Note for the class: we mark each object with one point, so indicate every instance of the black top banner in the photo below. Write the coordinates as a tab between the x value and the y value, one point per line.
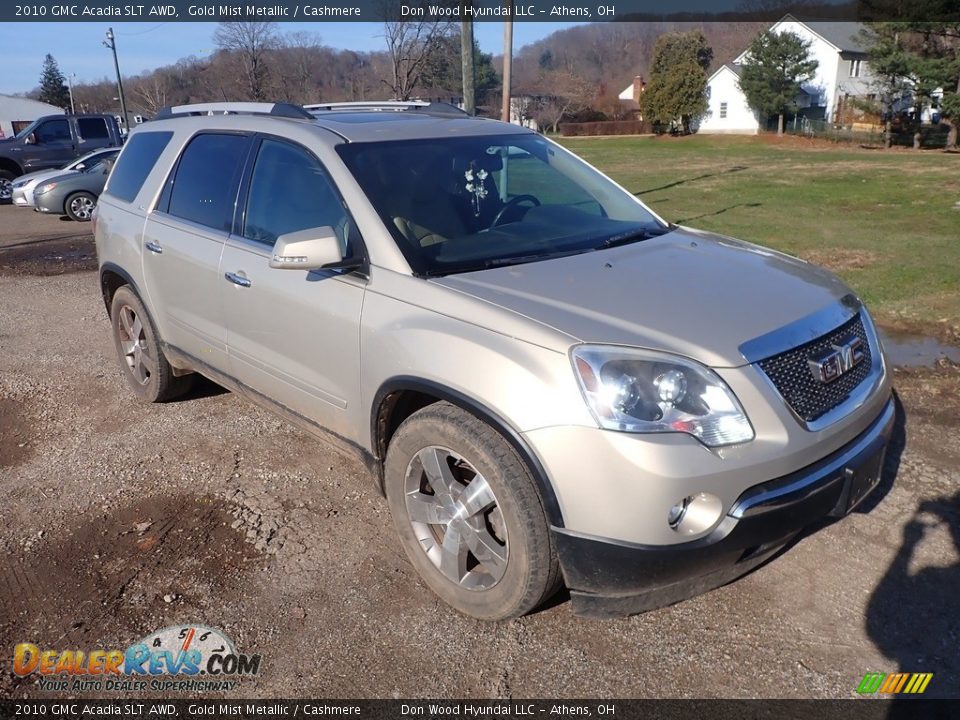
478	10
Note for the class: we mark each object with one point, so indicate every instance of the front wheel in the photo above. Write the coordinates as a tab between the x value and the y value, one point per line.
144	366
79	206
469	515
6	186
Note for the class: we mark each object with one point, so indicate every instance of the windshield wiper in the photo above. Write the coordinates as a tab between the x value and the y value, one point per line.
632	236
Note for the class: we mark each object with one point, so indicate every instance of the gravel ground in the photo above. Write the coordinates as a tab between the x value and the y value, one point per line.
120	519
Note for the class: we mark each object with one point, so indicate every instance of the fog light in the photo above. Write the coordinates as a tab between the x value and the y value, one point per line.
695	514
677	512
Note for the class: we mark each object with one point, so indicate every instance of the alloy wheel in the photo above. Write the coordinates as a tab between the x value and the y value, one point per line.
133	342
82	207
456	518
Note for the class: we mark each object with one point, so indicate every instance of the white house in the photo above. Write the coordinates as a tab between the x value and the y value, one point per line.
842	73
18	112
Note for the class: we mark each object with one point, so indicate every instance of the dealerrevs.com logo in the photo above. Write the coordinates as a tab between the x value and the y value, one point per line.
178	658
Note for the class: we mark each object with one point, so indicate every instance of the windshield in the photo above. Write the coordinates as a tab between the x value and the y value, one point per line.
470	203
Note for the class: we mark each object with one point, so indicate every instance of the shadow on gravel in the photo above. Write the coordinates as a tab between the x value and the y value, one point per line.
913	616
202	387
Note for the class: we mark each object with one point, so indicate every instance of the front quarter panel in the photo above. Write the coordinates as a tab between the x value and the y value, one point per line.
527	385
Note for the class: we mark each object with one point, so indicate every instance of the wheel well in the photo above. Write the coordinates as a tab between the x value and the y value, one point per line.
10	166
400	397
396	407
110	282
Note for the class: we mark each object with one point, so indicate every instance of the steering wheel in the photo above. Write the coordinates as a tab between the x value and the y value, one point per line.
512	203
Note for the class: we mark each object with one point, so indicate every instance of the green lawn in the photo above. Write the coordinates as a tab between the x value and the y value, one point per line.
887	222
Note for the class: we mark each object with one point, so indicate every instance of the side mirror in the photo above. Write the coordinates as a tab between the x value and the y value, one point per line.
31	139
308	249
80	166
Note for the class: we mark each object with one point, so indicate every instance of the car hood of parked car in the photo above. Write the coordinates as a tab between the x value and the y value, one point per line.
41	176
688	292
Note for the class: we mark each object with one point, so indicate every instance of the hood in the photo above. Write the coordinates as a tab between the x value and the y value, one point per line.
42	175
687	292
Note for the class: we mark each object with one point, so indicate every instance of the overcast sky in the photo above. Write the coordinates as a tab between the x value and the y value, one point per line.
145	46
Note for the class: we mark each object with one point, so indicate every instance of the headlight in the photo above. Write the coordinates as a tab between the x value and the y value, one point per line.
642	391
44	188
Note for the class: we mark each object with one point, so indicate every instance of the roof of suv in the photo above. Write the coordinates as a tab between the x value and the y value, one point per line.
372	125
363	122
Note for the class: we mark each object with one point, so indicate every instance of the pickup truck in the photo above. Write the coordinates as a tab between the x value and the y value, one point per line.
52	141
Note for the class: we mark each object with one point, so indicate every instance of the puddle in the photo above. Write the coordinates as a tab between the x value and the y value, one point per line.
906	350
50	257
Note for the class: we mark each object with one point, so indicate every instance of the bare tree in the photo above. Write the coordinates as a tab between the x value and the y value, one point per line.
410	46
249	43
150	91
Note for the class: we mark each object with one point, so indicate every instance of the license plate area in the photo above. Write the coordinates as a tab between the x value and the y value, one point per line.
862	479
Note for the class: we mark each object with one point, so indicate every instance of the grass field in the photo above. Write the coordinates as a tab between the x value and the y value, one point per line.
887	222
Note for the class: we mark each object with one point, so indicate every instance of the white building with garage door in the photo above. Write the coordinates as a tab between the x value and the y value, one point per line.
18	112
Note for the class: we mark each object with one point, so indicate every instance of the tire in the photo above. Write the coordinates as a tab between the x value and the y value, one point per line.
6	187
144	366
79	206
503	521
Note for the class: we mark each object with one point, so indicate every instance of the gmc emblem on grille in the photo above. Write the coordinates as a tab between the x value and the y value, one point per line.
841	358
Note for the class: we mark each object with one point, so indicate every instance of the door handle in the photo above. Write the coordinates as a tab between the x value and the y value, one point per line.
238	279
153	247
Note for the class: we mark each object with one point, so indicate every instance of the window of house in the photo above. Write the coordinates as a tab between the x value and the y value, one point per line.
855	68
723	110
204	188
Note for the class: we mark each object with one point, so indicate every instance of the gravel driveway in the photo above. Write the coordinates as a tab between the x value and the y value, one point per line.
120	519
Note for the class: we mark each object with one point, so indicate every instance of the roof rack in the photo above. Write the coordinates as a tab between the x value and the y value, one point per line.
421	106
287	110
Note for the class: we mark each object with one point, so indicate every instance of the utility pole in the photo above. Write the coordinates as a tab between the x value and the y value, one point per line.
467	64
70	78
111	43
507	61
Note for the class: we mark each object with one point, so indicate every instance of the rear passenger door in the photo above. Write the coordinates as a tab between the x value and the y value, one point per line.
293	335
184	239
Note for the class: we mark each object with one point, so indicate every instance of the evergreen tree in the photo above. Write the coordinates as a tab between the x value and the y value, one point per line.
776	66
678	80
53	86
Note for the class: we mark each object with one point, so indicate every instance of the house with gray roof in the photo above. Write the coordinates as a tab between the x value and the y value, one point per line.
842	73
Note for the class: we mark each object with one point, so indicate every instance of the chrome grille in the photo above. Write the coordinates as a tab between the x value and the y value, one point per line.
806	395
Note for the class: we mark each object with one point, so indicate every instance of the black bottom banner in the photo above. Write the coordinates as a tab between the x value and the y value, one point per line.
864	709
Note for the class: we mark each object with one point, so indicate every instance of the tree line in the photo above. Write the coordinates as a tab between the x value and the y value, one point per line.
576	73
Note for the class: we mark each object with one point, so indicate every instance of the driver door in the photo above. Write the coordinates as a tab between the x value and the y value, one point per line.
53	147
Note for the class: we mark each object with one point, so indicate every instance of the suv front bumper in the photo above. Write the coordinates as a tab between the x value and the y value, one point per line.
611	579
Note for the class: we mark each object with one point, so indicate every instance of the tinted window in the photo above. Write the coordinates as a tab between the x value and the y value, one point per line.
53	131
92	128
204	187
290	191
135	163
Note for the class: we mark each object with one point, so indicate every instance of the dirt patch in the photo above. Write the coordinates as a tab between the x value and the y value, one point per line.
57	256
16	434
116	576
840	259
